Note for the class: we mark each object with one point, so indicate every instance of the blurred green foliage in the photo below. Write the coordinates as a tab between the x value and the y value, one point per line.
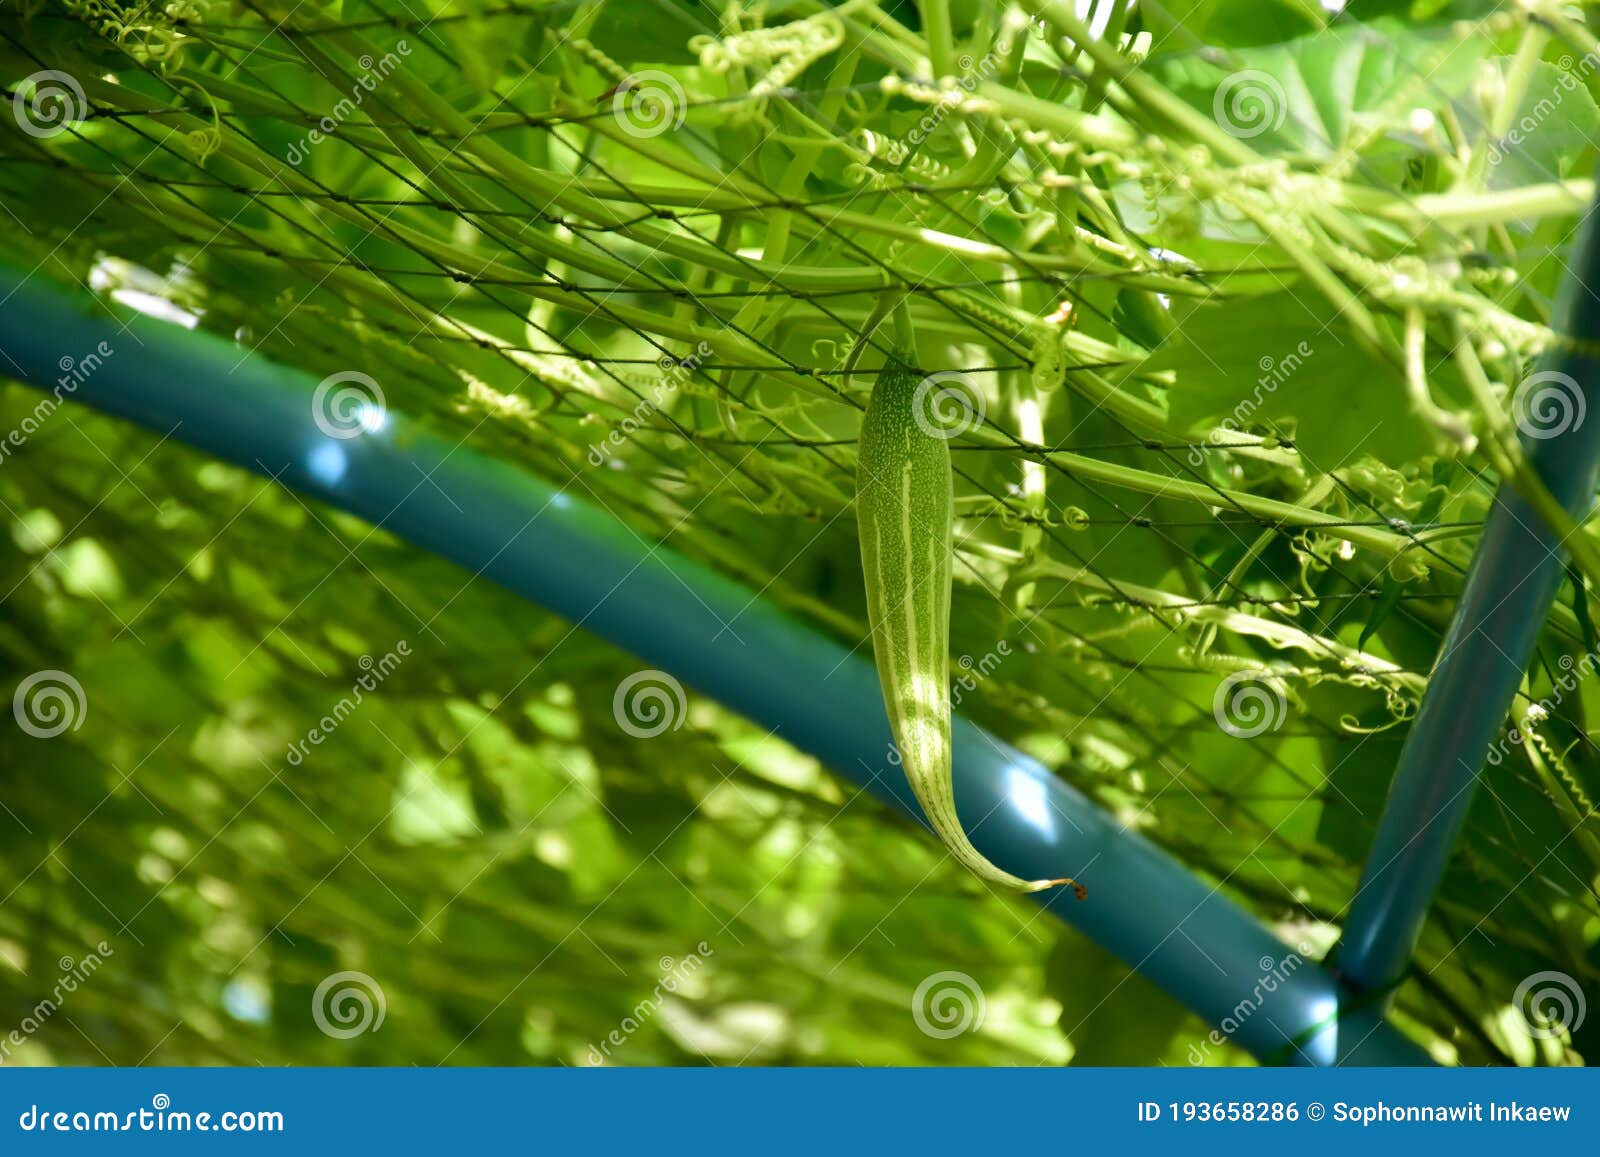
477	837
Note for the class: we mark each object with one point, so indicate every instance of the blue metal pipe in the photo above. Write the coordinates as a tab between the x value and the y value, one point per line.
1512	581
578	561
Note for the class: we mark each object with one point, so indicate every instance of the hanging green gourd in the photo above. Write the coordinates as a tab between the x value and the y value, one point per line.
905	509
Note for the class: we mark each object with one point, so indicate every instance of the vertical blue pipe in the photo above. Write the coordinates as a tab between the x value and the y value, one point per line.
1512	581
547	546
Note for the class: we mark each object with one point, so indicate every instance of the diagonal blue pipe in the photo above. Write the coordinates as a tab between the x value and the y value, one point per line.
580	562
1513	579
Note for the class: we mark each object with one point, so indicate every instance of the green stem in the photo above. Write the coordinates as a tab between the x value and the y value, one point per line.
941	40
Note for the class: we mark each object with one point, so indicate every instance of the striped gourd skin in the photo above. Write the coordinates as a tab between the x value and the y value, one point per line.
905	509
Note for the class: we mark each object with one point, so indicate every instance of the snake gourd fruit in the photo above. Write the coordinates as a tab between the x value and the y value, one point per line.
905	509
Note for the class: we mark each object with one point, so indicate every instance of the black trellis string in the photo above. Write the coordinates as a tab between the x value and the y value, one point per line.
1106	576
1108	580
394	297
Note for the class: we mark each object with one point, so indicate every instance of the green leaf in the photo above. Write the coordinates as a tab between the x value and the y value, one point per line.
1282	364
1340	89
1551	134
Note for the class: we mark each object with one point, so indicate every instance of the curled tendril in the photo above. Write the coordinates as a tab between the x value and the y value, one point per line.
1012	519
825	349
880	146
1349	723
1402	705
860	174
1316	553
784	52
1558	764
928	169
204	142
806	39
147	33
1408	566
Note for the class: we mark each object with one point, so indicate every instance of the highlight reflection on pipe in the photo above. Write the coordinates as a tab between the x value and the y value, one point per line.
518	530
